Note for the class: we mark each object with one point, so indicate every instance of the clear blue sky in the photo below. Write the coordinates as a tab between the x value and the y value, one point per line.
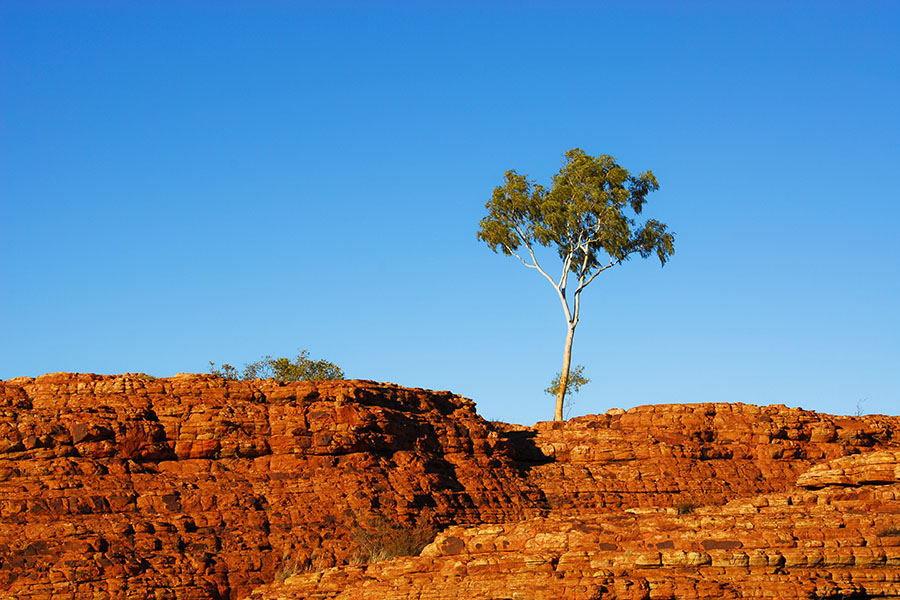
184	182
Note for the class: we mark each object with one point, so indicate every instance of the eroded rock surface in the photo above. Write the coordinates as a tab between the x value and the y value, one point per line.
677	454
826	543
197	487
201	488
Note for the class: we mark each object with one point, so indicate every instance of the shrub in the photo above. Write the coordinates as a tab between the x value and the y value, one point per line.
301	368
291	567
381	539
573	385
685	508
141	376
288	570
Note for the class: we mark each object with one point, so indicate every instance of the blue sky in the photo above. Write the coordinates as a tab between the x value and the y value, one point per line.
194	181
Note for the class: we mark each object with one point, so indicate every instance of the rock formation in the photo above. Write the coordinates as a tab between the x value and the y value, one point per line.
197	487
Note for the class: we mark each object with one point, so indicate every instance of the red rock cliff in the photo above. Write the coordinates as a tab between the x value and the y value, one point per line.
197	487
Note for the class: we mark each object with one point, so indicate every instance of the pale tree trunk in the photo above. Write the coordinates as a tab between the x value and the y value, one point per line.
564	374
584	278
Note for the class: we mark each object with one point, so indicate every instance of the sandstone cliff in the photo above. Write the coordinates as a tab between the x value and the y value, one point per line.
197	487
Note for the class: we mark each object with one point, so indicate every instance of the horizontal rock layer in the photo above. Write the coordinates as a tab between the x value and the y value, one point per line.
670	455
824	543
197	487
202	488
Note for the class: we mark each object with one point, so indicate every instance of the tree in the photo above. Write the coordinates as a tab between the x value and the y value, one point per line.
585	215
302	368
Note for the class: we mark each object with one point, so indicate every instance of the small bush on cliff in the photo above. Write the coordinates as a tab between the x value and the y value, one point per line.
292	566
301	368
685	508
382	539
141	376
289	570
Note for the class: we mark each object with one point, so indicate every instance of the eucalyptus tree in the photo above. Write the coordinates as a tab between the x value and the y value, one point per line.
588	214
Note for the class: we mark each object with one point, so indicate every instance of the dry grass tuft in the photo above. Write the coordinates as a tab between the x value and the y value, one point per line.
685	508
381	539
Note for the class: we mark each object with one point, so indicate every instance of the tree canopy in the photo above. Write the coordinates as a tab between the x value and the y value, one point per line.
584	214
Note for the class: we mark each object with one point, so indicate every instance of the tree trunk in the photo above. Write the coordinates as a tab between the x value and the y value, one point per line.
564	374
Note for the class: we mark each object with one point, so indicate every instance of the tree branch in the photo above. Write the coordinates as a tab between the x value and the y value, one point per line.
560	289
577	299
611	264
536	264
564	277
585	248
520	258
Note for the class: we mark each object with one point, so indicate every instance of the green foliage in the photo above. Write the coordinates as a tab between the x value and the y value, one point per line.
573	384
586	212
301	368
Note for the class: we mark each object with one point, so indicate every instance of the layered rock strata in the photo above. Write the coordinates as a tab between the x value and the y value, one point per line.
197	487
669	455
821	540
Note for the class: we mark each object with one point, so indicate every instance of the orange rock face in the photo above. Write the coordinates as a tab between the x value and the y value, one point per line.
664	456
201	488
196	487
